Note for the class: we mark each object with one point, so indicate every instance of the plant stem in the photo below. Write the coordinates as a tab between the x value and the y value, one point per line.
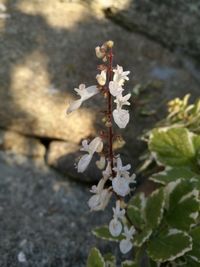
110	128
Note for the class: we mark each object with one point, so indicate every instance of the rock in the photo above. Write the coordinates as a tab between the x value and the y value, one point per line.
46	51
20	144
175	24
63	156
45	219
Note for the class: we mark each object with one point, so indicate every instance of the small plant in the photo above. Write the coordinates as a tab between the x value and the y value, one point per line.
183	114
164	227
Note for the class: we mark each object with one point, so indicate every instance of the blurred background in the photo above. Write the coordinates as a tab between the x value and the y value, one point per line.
47	49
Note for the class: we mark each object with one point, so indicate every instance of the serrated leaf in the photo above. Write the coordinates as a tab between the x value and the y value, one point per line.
194	254
104	233
110	260
154	208
183	204
135	210
142	237
173	173
95	259
173	146
129	264
168	245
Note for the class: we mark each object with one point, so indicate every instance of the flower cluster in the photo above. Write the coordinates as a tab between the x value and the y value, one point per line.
116	178
115	228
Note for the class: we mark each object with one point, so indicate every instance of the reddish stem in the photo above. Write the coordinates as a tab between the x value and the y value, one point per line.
110	129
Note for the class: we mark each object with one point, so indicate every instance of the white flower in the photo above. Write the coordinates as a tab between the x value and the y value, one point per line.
96	145
84	162
84	93
101	78
100	200
107	172
21	257
97	189
122	100
122	179
121	186
121	117
115	89
120	169
115	227
100	52
128	233
126	244
120	76
117	212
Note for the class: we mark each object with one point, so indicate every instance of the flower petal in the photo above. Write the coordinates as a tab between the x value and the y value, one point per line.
99	201
94	201
121	186
121	117
128	233
120	76
84	162
74	105
90	92
107	172
96	145
101	78
115	227
125	246
115	89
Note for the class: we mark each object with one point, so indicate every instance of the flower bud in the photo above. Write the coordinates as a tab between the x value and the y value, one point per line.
109	44
108	124
101	78
100	52
104	58
101	163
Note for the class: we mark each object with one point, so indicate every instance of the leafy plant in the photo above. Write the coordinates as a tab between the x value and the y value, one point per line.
164	226
183	114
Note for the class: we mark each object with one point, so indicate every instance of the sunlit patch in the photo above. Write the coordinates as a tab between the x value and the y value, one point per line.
64	15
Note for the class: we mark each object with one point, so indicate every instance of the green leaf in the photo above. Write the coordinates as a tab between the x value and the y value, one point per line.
190	263
110	260
183	204
152	263
194	254
142	237
138	201
172	146
135	210
173	173
154	208
95	259
168	245
104	233
129	264
186	262
196	142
